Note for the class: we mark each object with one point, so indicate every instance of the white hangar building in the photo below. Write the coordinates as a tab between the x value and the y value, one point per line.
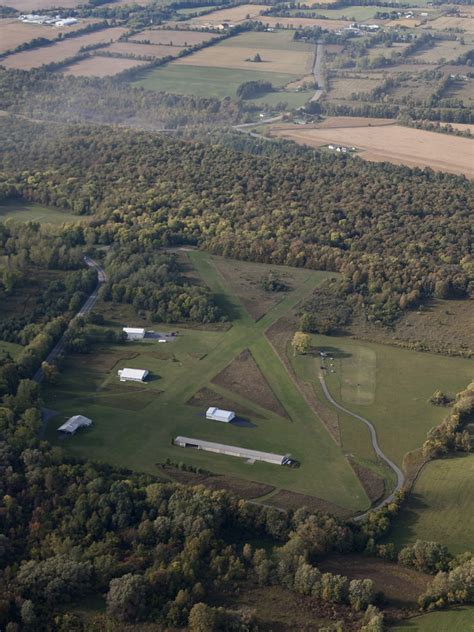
217	414
75	422
232	450
132	375
134	333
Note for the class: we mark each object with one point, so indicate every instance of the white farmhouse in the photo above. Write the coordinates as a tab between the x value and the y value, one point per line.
132	375
75	422
217	414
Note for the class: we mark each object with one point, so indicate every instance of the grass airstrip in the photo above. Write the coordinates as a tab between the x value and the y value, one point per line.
134	424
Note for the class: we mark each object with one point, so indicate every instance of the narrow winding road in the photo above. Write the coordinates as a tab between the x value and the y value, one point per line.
375	444
88	305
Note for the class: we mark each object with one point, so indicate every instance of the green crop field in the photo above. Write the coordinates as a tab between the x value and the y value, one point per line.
389	386
203	81
441	506
457	620
23	211
134	424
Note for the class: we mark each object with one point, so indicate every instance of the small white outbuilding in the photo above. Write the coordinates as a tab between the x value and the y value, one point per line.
75	422
132	375
217	414
134	333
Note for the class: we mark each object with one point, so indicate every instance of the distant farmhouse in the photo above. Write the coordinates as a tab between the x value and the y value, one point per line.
231	450
132	375
134	333
75	422
217	414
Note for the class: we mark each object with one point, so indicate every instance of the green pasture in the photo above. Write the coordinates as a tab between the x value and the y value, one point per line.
23	211
204	81
193	10
453	620
441	506
9	347
389	386
134	424
293	99
351	13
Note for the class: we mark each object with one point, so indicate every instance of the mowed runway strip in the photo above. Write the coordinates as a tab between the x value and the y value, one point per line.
391	143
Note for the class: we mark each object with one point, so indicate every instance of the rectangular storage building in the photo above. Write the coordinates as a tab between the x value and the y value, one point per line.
134	333
217	414
75	422
132	375
232	450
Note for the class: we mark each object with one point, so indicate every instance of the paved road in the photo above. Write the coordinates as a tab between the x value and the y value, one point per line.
88	305
373	436
317	71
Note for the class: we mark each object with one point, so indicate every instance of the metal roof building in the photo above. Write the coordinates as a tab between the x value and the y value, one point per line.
75	422
134	333
231	450
132	375
217	414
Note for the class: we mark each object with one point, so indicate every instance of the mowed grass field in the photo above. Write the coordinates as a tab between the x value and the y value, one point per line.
134	424
389	386
23	211
441	506
453	620
394	143
25	60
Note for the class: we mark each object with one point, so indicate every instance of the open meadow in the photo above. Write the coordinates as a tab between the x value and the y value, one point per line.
294	22
23	211
134	424
452	620
168	37
440	507
28	59
36	6
232	15
392	143
98	66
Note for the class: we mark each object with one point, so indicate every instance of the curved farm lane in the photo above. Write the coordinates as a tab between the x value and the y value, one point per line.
88	305
373	437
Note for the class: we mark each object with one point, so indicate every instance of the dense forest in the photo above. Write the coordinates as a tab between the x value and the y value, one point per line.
398	235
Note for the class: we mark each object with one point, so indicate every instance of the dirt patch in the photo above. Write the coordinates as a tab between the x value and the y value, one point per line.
239	487
278	336
373	484
242	376
60	50
401	586
172	38
286	499
206	397
392	143
97	66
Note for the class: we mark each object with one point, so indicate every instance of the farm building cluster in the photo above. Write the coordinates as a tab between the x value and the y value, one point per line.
48	20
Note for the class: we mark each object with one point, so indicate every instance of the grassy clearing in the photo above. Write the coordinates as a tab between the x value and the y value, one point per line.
140	438
441	507
442	621
23	211
403	382
203	81
9	347
351	13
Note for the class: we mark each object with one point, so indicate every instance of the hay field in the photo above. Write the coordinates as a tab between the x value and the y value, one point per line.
148	50
13	32
329	25
392	143
234	15
172	38
446	22
61	50
35	6
101	66
288	62
447	49
344	87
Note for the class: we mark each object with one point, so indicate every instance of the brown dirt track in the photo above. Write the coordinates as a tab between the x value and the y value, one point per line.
390	143
97	66
61	50
13	32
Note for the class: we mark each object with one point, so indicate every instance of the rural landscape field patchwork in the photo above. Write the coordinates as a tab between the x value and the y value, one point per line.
236	323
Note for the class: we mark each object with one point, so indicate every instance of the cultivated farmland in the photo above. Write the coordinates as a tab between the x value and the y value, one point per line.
447	22
13	32
97	66
394	143
441	506
233	15
294	22
172	38
34	6
58	51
